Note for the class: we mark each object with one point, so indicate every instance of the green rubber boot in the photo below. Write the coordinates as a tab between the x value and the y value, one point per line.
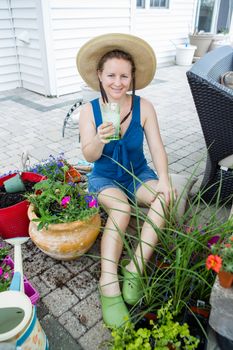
132	286
114	310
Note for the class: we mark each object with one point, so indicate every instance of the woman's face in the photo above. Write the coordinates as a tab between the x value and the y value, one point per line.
116	77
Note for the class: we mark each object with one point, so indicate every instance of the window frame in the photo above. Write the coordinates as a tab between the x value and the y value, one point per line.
147	6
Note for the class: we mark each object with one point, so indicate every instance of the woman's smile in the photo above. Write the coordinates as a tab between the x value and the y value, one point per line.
116	78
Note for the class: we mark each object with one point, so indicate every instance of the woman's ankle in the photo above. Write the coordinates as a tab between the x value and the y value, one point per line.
131	267
109	286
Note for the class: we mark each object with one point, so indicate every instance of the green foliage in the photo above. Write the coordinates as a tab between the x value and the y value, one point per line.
164	333
52	168
5	270
57	201
177	269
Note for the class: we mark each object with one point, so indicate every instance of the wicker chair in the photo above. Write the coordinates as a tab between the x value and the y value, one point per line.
214	105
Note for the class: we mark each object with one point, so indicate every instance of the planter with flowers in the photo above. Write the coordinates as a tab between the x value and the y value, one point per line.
64	218
221	261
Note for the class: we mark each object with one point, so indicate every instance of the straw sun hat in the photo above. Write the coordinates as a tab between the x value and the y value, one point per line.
91	52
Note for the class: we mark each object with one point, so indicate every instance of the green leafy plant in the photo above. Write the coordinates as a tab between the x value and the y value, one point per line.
5	270
60	198
177	269
163	334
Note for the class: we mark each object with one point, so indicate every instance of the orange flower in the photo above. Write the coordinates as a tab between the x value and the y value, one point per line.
231	238
228	245
214	262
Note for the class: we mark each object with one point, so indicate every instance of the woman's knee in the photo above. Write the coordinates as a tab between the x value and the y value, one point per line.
159	201
121	210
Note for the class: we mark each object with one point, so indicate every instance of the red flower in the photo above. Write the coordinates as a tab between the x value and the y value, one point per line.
214	262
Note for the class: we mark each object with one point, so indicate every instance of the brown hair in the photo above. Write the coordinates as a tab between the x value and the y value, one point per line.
120	55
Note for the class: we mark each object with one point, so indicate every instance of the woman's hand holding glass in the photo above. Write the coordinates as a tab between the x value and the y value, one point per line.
105	131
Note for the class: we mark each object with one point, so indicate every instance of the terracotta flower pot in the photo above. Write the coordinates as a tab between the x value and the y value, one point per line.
225	279
66	241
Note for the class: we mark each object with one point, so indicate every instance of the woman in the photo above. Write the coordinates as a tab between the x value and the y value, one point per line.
116	64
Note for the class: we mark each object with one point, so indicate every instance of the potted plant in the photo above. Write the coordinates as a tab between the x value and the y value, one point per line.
221	261
14	221
202	41
163	333
177	269
64	218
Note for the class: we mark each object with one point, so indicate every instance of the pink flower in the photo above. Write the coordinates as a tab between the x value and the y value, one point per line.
1	271
93	203
214	262
6	275
65	201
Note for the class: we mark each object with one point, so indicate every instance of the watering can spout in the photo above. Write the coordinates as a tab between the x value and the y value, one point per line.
16	282
7	346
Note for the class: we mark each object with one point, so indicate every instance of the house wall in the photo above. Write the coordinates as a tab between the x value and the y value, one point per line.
22	62
72	24
9	76
58	28
165	28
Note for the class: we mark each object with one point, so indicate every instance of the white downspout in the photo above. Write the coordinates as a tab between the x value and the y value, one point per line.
46	47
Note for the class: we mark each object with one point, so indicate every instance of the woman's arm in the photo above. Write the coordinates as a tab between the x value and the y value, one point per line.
93	141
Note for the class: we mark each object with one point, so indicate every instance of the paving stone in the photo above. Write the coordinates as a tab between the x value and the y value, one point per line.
95	270
41	309
37	264
95	338
82	285
58	337
78	265
60	300
72	324
42	288
88	311
56	276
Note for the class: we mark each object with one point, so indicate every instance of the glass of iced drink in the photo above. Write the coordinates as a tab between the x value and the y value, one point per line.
111	113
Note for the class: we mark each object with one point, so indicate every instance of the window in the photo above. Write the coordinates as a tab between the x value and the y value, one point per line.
159	3
141	4
148	4
214	16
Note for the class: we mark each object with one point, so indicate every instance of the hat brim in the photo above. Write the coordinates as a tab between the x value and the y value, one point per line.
91	52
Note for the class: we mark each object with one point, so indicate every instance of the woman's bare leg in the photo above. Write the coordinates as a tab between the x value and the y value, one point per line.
118	209
149	236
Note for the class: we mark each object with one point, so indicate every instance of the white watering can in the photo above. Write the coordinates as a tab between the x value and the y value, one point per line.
19	326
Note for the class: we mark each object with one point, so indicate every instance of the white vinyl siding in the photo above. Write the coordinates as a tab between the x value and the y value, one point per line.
165	28
9	71
72	24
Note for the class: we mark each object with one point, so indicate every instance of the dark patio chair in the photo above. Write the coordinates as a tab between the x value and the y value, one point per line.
214	105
